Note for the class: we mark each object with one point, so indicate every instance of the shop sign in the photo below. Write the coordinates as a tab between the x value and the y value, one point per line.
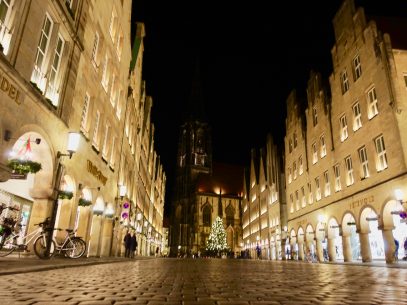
7	87
96	172
361	202
18	176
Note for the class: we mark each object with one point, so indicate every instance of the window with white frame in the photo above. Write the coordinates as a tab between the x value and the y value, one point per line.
364	166
300	166
323	146
85	112
6	7
337	171
96	130
372	103
303	197
54	74
357	68
349	171
297	201
310	195
357	120
113	90
317	189
327	190
119	104
38	75
381	154
314	153
291	203
105	148
113	24
95	48
344	81
105	74
289	175
295	170
295	140
119	45
344	128
314	116
112	153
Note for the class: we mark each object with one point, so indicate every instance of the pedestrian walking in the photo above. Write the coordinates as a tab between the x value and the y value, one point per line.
258	251
127	244
405	249
157	250
133	244
396	252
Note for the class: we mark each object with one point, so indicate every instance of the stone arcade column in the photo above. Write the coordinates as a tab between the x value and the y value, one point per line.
347	248
320	250
365	247
389	245
283	240
301	251
331	250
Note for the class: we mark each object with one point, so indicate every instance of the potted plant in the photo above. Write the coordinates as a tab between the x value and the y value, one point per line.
65	194
23	167
84	203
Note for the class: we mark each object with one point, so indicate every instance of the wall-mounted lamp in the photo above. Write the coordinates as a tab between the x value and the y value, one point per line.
109	212
122	191
399	196
73	144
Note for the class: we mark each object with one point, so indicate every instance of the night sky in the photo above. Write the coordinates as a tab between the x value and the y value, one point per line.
252	54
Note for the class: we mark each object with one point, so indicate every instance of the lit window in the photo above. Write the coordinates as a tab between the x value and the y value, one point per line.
310	196
349	170
54	74
301	166
96	130
291	203
113	24
357	121
289	175
344	81
314	116
85	111
105	147
295	170
39	73
95	49
327	190
317	189
357	68
381	154
363	163
372	103
344	128
112	154
337	171
303	198
6	7
314	153
119	46
323	146
113	90
105	74
297	201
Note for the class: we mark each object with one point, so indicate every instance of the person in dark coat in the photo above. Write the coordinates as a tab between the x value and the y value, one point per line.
133	244
127	244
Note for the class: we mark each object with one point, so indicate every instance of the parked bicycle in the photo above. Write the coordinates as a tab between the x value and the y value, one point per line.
10	242
71	246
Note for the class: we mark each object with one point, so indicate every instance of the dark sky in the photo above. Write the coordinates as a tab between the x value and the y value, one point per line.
252	54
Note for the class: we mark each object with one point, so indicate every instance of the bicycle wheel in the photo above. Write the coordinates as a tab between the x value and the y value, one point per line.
40	247
75	248
6	245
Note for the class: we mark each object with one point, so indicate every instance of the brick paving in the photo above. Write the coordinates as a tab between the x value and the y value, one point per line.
206	282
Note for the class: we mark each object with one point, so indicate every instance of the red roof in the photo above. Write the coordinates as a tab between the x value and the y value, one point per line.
225	177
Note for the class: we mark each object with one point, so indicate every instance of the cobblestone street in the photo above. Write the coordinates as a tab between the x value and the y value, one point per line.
209	282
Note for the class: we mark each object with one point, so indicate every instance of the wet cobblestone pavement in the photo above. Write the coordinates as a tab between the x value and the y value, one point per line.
207	282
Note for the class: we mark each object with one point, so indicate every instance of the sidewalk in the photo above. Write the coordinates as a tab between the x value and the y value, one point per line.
13	264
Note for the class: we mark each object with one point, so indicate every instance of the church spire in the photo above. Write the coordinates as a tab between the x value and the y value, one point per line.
195	109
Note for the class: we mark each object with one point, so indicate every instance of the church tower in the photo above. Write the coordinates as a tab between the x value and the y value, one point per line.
194	158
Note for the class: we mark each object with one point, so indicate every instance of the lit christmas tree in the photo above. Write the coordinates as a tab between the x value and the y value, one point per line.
217	238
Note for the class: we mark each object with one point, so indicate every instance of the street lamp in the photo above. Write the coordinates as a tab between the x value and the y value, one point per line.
72	147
